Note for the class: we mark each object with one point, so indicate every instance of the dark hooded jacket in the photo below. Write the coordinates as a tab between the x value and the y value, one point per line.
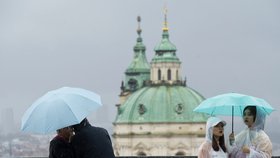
91	142
60	148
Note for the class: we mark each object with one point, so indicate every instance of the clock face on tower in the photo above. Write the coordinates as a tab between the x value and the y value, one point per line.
132	83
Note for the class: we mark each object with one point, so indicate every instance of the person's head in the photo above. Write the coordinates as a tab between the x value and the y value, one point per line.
215	132
80	125
214	127
65	132
218	129
249	115
254	117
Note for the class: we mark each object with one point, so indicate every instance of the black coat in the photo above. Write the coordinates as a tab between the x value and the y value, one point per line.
92	142
60	148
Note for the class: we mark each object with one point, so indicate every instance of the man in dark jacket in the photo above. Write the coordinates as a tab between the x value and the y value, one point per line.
60	146
91	142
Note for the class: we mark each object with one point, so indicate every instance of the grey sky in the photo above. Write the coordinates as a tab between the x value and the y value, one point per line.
224	46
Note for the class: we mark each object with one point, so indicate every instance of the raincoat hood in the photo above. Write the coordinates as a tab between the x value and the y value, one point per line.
260	119
211	122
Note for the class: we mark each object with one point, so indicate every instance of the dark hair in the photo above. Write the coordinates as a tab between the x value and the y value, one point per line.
252	109
215	144
79	126
58	130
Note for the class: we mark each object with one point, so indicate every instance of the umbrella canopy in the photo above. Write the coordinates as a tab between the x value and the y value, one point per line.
231	104
59	108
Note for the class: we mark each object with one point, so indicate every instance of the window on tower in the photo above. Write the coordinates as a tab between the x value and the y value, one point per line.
169	74
132	83
159	74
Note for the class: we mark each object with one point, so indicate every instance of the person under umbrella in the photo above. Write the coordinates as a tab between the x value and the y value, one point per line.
60	146
90	141
214	144
57	110
231	104
252	141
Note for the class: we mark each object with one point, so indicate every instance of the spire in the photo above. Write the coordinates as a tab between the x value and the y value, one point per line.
165	27
139	45
165	45
139	69
139	27
139	62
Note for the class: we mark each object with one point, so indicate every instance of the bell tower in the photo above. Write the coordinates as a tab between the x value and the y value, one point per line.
165	65
138	72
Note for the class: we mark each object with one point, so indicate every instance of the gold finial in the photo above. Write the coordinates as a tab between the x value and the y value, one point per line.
165	27
139	28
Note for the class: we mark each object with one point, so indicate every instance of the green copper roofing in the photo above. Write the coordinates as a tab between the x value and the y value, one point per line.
165	45
161	104
139	62
165	50
139	69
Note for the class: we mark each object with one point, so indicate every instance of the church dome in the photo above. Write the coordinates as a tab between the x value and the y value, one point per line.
161	104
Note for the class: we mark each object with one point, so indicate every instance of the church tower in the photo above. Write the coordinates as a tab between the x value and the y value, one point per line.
138	72
165	65
155	114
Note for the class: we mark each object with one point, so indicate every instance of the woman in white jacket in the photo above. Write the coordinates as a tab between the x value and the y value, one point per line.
214	144
252	142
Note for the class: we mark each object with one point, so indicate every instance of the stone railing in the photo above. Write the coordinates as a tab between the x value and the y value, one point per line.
144	157
132	157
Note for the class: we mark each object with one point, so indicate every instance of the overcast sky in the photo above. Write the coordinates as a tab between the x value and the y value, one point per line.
224	46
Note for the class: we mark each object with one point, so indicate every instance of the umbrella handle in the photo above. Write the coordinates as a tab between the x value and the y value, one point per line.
232	113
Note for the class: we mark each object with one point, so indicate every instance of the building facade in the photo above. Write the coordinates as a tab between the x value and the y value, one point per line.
155	113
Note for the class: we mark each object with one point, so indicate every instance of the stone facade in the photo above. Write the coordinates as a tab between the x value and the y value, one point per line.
160	139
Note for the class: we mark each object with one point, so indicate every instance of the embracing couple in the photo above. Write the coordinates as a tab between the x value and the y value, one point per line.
81	141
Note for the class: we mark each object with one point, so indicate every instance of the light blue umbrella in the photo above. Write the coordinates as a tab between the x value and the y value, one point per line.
59	108
231	104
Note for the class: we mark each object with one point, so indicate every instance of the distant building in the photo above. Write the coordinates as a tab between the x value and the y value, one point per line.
7	121
155	114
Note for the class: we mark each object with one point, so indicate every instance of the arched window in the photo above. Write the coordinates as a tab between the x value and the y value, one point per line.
141	153
159	74
180	153
177	75
168	74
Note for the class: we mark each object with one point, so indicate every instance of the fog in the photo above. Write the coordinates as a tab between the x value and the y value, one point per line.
224	46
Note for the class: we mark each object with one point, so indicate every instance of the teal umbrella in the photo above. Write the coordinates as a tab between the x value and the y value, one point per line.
231	104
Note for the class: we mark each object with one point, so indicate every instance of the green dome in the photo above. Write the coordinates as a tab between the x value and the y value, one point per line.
161	104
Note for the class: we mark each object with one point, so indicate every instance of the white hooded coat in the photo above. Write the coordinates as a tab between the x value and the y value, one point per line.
255	138
205	150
